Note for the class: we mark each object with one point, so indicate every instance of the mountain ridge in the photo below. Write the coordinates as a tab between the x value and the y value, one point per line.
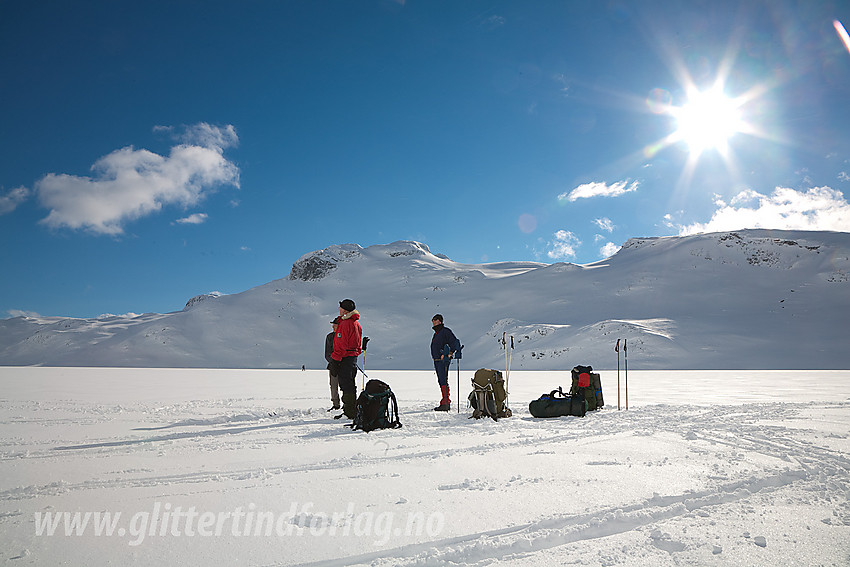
747	299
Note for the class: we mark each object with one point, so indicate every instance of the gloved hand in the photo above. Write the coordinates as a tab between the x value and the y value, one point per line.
333	366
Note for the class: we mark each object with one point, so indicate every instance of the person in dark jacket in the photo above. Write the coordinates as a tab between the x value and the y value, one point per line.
444	345
334	379
346	349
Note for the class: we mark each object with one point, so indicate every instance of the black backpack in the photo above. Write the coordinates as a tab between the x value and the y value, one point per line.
558	404
376	408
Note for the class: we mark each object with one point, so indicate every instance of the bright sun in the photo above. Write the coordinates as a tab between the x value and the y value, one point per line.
707	121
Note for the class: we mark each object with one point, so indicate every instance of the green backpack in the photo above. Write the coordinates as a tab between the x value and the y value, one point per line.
488	396
588	384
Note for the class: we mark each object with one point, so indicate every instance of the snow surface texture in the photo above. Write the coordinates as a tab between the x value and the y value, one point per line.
752	299
705	468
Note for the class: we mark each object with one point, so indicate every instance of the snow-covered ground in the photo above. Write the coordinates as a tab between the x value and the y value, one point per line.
187	467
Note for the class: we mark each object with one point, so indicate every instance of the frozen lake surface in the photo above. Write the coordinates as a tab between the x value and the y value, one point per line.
224	467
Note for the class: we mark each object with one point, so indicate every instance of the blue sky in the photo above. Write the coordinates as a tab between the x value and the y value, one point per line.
153	151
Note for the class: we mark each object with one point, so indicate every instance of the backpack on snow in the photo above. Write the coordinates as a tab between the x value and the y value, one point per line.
376	408
488	396
558	404
588	384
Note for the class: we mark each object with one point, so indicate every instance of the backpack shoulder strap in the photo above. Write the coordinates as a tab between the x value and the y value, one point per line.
392	409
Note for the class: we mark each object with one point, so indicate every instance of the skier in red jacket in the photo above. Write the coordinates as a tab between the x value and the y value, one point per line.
346	349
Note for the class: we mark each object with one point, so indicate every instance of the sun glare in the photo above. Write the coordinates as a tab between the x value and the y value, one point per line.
707	121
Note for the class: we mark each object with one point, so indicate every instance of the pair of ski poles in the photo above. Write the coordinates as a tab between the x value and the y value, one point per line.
508	360
626	355
458	356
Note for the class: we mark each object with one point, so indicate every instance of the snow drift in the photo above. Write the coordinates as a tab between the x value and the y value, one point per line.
748	299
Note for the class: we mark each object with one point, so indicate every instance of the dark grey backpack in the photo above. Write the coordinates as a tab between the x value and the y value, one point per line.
376	408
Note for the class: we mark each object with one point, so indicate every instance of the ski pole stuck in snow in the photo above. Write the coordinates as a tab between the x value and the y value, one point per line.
626	358
617	349
365	343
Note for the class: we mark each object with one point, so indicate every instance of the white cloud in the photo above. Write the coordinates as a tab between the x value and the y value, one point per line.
819	208
742	198
494	22
605	224
128	184
843	176
197	218
10	201
600	189
608	250
209	136
564	245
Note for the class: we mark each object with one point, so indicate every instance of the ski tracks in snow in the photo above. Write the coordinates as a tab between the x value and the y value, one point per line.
797	464
527	539
725	461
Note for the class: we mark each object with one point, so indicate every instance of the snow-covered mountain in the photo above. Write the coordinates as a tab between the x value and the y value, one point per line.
748	299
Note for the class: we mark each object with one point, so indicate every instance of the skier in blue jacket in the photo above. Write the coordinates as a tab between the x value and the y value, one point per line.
444	346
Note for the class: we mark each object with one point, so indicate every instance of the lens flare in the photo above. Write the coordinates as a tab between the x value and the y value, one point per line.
842	33
659	101
527	223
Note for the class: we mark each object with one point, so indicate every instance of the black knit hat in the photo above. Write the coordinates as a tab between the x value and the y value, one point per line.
348	305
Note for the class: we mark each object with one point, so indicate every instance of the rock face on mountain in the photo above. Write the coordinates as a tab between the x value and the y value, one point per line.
745	299
199	298
317	265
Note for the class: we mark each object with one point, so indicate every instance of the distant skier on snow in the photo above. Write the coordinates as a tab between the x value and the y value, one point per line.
444	345
346	349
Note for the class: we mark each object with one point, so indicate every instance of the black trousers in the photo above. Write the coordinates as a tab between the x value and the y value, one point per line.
348	375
